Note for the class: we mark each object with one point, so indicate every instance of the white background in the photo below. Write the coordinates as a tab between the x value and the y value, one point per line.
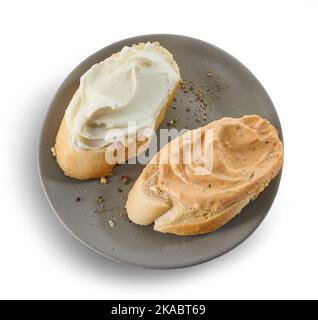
42	41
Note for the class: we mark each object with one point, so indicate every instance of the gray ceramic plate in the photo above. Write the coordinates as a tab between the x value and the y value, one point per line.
239	93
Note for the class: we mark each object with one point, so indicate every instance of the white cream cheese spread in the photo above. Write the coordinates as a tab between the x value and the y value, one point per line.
125	91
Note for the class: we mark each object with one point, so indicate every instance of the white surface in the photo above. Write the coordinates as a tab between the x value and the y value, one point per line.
42	41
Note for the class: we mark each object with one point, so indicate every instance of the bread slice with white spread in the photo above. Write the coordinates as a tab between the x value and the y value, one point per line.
123	98
187	197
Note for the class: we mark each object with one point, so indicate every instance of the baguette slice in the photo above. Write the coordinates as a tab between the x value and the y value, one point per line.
87	164
247	155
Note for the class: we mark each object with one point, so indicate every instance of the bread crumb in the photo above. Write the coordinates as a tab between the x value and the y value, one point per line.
172	122
99	199
111	223
103	180
53	152
125	180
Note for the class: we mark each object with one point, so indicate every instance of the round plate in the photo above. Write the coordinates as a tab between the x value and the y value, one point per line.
232	90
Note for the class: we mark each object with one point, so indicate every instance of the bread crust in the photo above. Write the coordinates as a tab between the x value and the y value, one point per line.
90	164
142	207
211	224
79	164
